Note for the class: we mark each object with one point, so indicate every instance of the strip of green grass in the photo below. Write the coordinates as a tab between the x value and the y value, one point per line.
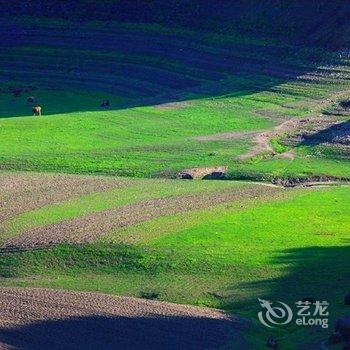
300	167
80	142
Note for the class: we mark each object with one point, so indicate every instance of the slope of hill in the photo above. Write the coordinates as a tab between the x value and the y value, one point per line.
209	96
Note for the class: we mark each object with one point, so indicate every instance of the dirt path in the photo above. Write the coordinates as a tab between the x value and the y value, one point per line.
32	318
92	226
21	192
233	135
262	140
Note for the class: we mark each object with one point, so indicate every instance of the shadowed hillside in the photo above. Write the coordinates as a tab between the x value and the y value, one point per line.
320	22
145	65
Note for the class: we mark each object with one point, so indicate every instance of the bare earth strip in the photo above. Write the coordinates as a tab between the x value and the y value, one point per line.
262	140
92	226
21	192
33	318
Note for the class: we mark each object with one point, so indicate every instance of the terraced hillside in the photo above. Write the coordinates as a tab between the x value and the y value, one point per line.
208	97
207	243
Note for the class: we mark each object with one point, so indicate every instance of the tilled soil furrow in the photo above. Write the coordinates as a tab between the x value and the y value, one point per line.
55	319
20	192
92	226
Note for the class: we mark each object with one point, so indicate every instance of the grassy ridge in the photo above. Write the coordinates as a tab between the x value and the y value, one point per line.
79	142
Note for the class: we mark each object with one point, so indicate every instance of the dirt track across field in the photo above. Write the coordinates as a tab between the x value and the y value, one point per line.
39	319
233	135
92	226
310	124
262	140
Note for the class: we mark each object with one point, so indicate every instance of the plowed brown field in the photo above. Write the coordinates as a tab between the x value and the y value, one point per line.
53	319
21	192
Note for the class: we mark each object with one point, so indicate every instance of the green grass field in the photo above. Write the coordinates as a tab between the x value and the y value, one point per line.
219	85
180	99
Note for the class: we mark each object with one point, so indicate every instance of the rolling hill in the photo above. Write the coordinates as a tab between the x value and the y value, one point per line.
94	199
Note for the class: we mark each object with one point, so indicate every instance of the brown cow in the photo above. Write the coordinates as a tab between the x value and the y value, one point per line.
37	110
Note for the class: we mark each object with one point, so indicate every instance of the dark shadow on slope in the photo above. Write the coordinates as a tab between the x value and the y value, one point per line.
337	134
315	273
323	22
100	332
320	272
149	69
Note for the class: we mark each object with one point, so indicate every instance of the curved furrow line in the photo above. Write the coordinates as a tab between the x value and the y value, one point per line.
152	63
150	75
92	226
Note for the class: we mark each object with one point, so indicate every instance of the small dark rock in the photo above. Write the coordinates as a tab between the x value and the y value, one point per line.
185	176
345	103
149	295
215	175
272	343
347	299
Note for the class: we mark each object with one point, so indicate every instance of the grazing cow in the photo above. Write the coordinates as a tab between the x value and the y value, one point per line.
105	104
37	110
